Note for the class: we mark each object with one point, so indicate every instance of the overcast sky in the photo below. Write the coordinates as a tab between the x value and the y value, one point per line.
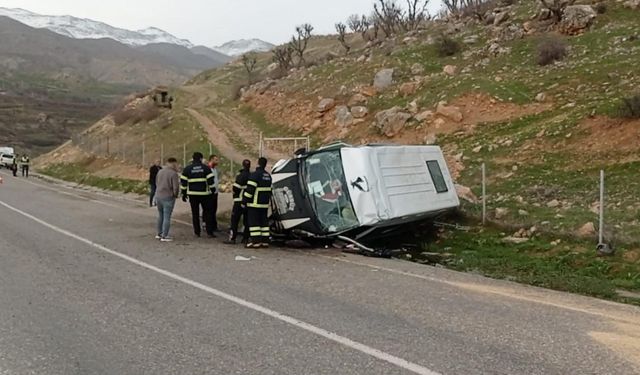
209	22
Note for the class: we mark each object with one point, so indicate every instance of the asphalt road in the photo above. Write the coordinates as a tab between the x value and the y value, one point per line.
85	289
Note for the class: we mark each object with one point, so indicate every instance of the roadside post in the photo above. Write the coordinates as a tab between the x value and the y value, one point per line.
143	155
484	194
601	225
603	249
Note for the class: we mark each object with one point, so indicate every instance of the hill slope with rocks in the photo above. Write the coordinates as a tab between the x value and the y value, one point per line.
543	130
544	105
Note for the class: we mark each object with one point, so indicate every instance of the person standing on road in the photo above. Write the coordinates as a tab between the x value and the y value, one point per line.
239	211
196	184
153	173
25	163
213	164
14	166
167	191
257	198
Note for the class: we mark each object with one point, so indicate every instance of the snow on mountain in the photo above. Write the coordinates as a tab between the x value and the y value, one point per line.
82	28
242	46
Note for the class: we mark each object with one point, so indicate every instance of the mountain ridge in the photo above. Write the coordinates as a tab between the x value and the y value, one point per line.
85	28
241	46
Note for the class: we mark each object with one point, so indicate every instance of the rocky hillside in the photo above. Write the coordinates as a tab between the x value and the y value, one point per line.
544	125
538	101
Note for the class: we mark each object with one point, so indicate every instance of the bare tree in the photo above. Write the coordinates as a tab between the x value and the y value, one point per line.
469	8
375	27
250	60
341	28
283	56
366	24
389	15
557	7
416	13
453	6
300	41
355	23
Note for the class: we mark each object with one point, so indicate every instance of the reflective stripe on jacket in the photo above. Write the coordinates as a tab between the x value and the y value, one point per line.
240	185
258	192
197	179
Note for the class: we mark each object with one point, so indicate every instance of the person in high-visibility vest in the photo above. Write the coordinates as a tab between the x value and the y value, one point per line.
24	163
256	198
197	184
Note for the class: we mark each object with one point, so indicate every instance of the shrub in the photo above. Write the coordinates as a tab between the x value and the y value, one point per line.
630	107
550	50
600	8
447	46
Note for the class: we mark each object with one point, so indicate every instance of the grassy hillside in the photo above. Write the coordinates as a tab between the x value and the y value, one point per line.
536	151
543	131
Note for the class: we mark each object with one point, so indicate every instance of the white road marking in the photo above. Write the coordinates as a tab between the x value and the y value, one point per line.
397	361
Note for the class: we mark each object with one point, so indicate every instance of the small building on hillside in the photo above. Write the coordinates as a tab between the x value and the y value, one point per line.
161	97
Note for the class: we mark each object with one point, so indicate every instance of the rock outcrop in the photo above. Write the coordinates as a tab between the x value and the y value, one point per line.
391	121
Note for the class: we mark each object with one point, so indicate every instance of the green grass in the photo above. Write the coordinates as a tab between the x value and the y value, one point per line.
263	125
78	174
571	266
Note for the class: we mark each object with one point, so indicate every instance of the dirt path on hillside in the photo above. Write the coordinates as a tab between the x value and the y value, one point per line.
228	132
233	127
250	137
218	137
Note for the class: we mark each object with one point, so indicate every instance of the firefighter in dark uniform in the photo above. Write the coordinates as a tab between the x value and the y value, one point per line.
196	184
14	166
257	198
239	211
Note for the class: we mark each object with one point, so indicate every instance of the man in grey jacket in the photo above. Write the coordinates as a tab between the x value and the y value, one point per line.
167	191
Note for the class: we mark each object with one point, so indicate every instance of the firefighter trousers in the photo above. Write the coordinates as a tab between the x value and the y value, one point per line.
203	201
238	213
258	221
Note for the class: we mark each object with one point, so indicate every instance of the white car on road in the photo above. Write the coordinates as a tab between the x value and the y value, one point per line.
6	160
